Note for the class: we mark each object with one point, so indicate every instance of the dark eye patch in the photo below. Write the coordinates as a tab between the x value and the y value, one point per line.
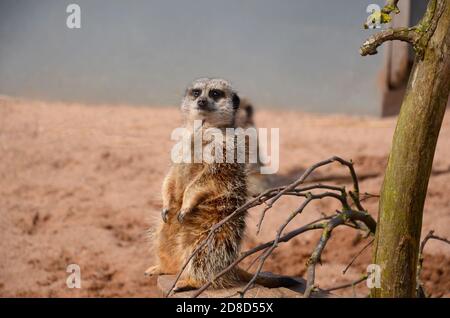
196	92
216	94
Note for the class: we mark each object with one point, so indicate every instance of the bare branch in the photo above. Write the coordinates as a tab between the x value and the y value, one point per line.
326	234
430	236
367	196
305	175
309	197
351	284
356	256
418	36
403	34
285	238
428	24
349	218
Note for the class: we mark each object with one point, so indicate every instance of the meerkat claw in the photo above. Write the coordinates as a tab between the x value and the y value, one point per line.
164	213
181	215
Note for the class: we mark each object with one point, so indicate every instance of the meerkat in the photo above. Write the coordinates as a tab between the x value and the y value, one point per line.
244	114
256	182
198	195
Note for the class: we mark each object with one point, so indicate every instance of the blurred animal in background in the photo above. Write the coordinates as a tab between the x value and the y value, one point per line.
256	182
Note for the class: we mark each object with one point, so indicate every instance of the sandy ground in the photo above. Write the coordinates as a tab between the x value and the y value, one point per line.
81	185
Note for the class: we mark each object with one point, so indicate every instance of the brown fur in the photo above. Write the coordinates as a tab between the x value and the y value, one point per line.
198	195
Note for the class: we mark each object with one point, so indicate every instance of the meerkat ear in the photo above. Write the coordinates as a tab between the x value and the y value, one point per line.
249	110
236	101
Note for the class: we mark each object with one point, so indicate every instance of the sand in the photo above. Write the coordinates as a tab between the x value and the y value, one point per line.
80	184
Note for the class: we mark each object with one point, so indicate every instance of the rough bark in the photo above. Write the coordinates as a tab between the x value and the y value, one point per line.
406	180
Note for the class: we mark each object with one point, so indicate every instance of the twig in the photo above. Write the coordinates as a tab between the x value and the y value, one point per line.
256	201
367	196
370	46
349	217
311	226
305	175
346	285
418	35
326	234
356	256
430	236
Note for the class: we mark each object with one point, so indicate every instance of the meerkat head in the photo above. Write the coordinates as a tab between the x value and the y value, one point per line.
211	100
244	115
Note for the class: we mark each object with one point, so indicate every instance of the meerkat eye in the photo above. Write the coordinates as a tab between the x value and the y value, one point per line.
196	92
216	93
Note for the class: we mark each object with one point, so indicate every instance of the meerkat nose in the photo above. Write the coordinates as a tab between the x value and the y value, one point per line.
202	102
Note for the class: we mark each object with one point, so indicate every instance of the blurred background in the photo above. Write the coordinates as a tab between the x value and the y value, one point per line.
292	54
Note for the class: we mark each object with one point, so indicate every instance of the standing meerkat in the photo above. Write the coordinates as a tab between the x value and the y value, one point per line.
200	194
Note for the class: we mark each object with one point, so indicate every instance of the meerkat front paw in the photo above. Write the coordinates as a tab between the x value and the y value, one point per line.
182	213
164	214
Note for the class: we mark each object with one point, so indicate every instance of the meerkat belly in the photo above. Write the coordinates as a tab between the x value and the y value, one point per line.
225	243
222	249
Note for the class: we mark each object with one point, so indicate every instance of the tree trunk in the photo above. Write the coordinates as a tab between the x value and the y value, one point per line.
406	180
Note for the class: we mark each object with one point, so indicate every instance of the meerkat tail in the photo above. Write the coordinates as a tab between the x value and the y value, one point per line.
265	280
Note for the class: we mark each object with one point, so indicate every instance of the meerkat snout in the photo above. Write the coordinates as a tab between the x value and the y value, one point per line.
202	103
